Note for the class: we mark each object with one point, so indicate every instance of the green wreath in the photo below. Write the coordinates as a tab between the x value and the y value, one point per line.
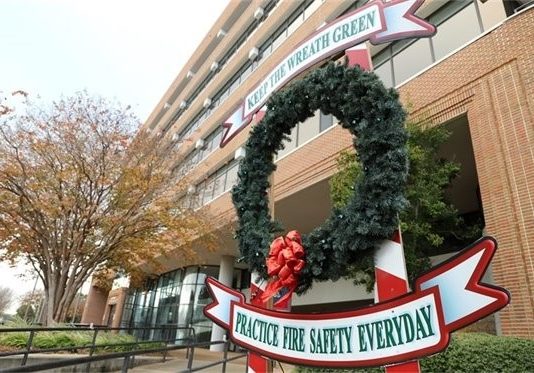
375	118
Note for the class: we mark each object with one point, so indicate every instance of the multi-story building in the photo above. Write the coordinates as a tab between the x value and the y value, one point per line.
475	76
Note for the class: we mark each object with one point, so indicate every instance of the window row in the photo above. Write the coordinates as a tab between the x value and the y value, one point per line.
305	131
227	57
211	143
175	298
273	42
225	177
214	185
457	23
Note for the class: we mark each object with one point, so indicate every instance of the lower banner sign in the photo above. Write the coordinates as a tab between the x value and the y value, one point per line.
448	297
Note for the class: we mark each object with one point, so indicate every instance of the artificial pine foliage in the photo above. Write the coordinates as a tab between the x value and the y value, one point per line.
431	224
375	117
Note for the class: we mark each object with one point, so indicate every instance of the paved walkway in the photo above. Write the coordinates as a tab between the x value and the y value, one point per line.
177	362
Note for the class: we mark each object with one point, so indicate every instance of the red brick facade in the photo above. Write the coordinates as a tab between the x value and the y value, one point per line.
492	82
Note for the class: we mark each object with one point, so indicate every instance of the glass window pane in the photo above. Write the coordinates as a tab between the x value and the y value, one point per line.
217	139
309	128
456	31
208	191
234	85
295	24
191	275
246	72
279	40
312	8
219	184
290	144
325	122
231	176
412	60
384	73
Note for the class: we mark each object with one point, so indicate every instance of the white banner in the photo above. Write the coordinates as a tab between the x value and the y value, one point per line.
377	21
417	324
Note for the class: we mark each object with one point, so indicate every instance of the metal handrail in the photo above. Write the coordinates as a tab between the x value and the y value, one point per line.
128	356
93	346
215	363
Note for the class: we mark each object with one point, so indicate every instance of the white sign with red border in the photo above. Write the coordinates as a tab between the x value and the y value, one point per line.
448	297
377	22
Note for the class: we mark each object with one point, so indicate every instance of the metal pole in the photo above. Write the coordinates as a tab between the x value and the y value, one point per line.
226	345
190	359
92	350
28	347
125	364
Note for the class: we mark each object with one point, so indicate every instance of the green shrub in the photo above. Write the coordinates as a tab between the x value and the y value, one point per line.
470	352
478	352
16	339
67	339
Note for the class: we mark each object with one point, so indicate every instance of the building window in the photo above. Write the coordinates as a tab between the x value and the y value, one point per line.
457	22
385	73
309	128
176	298
456	31
412	59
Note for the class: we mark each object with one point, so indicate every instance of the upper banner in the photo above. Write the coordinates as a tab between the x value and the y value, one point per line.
417	324
377	22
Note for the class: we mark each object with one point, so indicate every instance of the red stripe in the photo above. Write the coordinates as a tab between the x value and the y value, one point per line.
389	286
359	57
397	237
255	361
412	366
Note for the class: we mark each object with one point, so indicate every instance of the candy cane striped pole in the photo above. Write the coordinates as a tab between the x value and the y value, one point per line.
391	281
255	362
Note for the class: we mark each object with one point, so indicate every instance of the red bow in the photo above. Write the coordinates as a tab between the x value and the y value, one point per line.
284	264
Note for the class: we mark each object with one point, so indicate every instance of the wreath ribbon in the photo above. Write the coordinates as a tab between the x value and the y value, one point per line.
284	264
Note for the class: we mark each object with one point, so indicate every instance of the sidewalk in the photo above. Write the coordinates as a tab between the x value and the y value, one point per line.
177	361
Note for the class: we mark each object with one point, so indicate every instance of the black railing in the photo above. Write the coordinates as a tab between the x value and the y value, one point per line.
130	348
162	346
223	361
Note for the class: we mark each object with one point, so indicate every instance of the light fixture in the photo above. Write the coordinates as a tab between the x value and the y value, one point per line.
207	102
239	153
199	144
259	13
183	104
214	66
190	74
253	53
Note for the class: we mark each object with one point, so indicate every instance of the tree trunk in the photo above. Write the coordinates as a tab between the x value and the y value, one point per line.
50	302
60	294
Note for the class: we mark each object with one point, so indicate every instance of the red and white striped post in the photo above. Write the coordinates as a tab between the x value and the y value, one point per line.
391	281
257	363
390	265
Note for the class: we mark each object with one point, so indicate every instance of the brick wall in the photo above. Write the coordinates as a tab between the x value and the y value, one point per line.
492	82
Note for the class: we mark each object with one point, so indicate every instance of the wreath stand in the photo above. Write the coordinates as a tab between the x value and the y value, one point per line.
375	118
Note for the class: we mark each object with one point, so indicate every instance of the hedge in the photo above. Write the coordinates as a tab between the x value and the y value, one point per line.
470	352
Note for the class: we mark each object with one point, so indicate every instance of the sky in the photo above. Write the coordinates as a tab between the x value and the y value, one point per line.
128	50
